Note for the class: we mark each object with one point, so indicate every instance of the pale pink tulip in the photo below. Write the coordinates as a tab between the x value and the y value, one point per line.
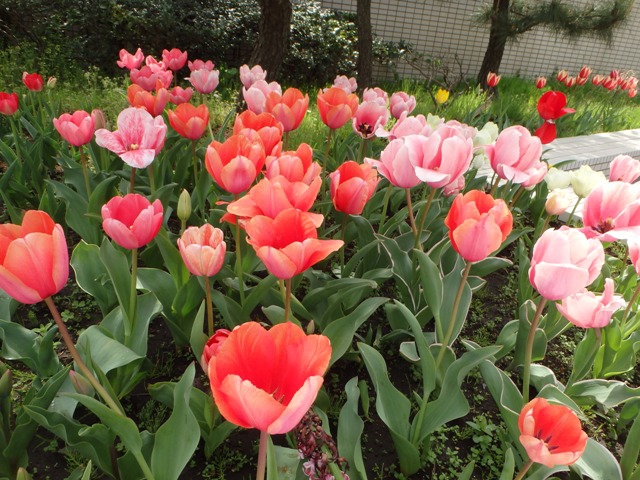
516	156
256	95
588	310
405	126
204	81
349	85
76	128
375	94
200	64
624	168
612	212
202	250
398	161
147	78
401	102
249	76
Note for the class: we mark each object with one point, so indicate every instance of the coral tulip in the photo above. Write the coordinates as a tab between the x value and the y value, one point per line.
541	82
336	107
401	102
147	77
141	98
265	125
288	244
77	129
130	61
268	379
352	185
189	121
289	109
516	156
139	137
202	250
204	80
200	64
349	85
296	166
34	260
493	79
478	224
587	310
212	346
33	81
564	262
624	168
8	103
612	212
174	59
256	95
249	76
131	221
235	164
179	95
551	434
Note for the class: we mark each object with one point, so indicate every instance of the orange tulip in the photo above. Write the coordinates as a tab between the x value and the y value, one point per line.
34	261
288	108
551	434
288	244
478	224
352	185
268	379
265	125
189	121
297	166
235	164
336	107
140	98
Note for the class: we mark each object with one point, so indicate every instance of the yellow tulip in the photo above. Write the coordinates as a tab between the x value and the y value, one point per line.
442	96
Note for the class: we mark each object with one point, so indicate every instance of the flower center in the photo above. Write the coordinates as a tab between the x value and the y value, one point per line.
605	226
134	146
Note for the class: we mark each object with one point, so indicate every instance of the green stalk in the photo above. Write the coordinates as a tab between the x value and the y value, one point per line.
454	314
494	185
326	163
385	205
412	219
285	141
343	231
207	291
262	455
625	316
361	150
132	179
195	163
423	216
152	181
526	368
85	171
516	197
573	211
14	132
142	463
287	299
239	262
524	470
133	297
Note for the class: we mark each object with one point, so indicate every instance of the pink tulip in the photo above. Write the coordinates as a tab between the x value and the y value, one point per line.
154	65
369	116
624	168
634	253
139	137
147	78
516	156
212	347
288	108
375	94
349	85
200	64
446	156
235	164
398	161
179	95
249	76
130	61
401	102
612	212
587	310
296	166
564	262
174	59
204	81
202	250
406	126
77	129
131	221
352	185
256	95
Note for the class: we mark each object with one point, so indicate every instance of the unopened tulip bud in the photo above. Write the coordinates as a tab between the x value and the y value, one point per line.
81	384
558	201
442	96
51	82
23	474
541	82
184	206
492	79
311	327
6	384
98	118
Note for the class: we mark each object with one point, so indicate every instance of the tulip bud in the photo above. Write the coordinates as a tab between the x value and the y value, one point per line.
51	82
492	79
23	474
586	179
442	96
632	92
98	118
557	178
81	384
311	327
558	201
584	72
541	82
562	75
6	384
184	206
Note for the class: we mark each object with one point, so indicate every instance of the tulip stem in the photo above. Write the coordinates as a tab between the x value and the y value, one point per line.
361	151
412	219
132	180
634	297
573	211
516	197
239	263
526	368
85	171
494	186
133	297
262	455
423	216
207	291
454	314
66	338
343	231
285	141
16	141
195	163
524	470
152	181
326	162
385	204
287	299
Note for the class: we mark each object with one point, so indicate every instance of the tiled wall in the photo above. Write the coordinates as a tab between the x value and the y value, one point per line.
444	28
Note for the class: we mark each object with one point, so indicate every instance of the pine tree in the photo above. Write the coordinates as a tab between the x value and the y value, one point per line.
510	18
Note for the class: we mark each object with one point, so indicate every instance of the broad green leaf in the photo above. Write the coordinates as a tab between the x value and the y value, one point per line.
451	284
508	469
467	472
35	351
608	393
629	460
92	276
106	352
584	356
350	428
432	283
597	463
119	272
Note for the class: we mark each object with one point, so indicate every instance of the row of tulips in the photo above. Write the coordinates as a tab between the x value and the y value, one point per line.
433	247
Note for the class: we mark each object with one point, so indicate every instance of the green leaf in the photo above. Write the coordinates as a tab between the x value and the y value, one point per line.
597	463
92	276
106	352
256	294
629	459
76	213
467	472
169	456
35	351
608	393
584	356
432	283
172	258
119	272
508	469
350	428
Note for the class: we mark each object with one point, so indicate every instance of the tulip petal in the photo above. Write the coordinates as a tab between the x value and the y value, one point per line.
297	407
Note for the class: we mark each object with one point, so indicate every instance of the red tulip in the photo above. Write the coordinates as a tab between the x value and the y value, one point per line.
632	92
131	221
493	79
562	75
352	185
202	250
288	244
8	103
268	379
585	72
77	129
174	59
289	109
130	61
551	434
581	80
610	83
541	82
189	121
265	125
336	107
597	80
140	98
34	260
296	166
235	164
33	81
478	224
570	82
551	106
564	262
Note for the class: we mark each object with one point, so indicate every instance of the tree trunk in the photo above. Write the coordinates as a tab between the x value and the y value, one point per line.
497	41
365	44
275	23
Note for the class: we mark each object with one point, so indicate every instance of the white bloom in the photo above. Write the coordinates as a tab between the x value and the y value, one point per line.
586	179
